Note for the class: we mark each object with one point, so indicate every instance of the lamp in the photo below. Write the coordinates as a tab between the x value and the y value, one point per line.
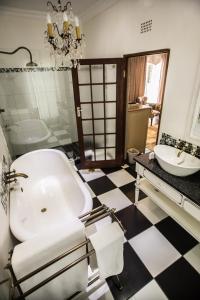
63	34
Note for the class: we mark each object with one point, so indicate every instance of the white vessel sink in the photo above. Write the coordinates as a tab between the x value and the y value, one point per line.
169	161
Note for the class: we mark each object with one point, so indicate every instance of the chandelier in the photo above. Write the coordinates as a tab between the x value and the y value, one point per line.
63	35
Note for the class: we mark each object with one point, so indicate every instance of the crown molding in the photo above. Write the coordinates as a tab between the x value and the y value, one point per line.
91	12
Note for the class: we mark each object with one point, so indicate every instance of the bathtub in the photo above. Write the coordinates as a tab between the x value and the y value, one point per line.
27	132
52	190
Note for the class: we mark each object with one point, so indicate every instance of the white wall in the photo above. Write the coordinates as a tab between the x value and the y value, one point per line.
5	242
22	29
176	26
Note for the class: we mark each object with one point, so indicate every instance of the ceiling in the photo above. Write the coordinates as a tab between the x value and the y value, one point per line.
79	6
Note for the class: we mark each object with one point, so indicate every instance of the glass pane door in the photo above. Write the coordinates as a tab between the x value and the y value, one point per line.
98	91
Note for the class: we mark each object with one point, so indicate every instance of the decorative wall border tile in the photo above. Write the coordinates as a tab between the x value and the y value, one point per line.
190	148
35	69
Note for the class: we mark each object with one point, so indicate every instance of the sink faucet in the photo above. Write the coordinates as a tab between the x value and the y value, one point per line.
179	152
13	175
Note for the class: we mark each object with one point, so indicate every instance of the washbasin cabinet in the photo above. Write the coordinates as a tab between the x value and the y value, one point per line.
175	203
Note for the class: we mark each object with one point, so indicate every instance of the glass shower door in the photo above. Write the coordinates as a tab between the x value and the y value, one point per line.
98	92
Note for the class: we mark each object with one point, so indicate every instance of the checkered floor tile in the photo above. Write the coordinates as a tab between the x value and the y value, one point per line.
161	260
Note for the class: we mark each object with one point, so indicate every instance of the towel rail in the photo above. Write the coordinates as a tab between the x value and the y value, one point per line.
93	210
24	278
50	278
93	216
89	218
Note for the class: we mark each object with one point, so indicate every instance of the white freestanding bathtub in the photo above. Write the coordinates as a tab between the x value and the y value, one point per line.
45	198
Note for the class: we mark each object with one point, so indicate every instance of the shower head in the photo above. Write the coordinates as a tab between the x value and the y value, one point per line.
31	64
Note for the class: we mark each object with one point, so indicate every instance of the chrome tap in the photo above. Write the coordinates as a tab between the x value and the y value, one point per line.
12	175
179	153
17	175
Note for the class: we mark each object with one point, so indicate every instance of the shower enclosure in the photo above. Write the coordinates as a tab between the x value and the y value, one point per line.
37	108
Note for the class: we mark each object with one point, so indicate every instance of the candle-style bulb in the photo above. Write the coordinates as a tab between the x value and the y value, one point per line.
48	19
76	20
65	22
65	17
49	26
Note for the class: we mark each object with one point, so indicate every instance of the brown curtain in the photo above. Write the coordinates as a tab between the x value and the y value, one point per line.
162	78
136	77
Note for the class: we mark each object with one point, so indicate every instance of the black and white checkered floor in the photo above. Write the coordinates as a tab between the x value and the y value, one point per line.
161	260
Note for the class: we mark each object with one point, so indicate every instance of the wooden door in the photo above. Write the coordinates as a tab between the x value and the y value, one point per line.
100	111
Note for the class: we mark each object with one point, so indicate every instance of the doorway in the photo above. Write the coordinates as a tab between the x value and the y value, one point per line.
100	110
146	78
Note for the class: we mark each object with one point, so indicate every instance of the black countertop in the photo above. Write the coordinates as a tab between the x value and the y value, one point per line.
189	186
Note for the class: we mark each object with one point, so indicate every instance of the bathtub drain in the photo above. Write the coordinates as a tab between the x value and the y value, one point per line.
43	210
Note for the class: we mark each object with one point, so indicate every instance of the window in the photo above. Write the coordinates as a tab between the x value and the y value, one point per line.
153	75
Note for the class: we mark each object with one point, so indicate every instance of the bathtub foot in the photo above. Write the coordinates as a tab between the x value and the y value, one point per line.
117	282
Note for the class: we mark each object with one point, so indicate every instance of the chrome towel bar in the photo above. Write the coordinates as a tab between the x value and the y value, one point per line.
88	219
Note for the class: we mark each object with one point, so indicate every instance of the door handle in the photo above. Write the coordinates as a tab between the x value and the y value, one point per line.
78	111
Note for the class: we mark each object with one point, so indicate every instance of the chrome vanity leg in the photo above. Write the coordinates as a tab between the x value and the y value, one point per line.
137	190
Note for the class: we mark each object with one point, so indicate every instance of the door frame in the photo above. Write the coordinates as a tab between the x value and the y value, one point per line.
120	114
150	52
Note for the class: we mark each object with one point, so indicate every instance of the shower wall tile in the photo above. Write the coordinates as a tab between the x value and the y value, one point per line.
43	81
52	139
62	99
14	118
34	113
61	79
24	101
65	141
49	80
65	113
6	84
22	84
3	101
8	101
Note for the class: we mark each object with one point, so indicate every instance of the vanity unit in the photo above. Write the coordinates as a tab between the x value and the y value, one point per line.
179	197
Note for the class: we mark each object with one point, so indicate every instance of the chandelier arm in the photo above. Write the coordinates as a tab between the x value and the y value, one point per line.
65	8
55	43
70	28
55	26
66	52
49	3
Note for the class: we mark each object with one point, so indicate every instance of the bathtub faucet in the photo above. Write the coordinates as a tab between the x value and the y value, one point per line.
12	175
